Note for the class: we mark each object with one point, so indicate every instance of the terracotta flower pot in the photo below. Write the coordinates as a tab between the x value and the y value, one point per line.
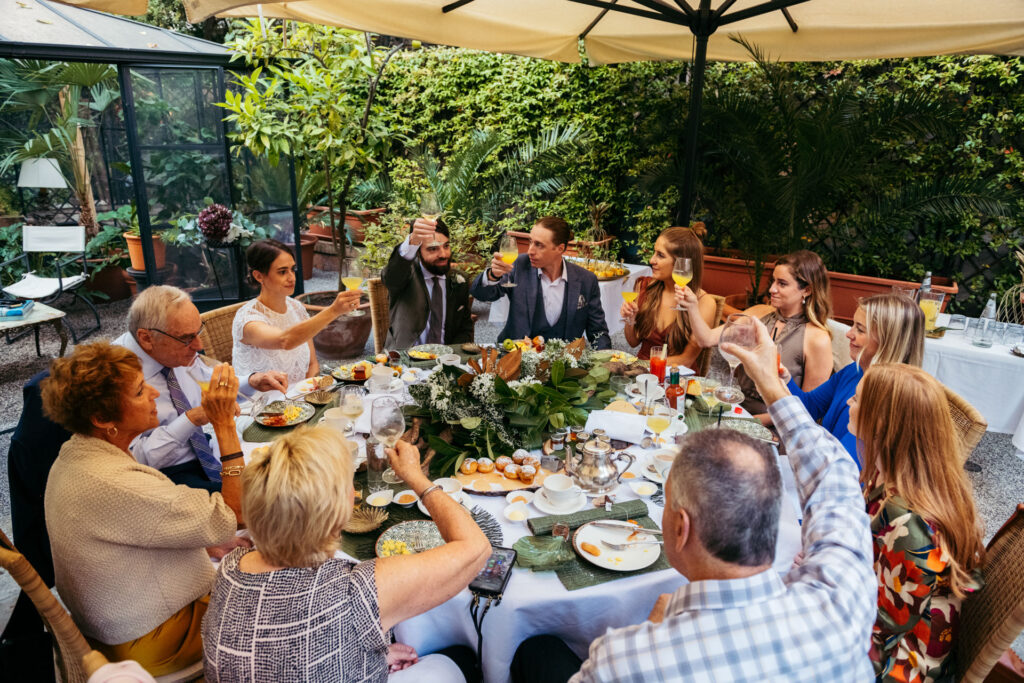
136	256
345	336
110	280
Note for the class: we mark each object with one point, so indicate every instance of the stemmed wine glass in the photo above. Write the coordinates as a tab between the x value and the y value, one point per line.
629	297
682	273
739	330
350	400
430	208
352	276
659	418
509	251
387	424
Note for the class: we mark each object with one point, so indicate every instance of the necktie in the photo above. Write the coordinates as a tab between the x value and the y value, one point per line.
434	324
197	439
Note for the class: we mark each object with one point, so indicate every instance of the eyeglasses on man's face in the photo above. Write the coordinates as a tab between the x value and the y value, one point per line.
186	340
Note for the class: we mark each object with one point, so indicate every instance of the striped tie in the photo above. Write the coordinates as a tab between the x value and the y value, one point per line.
197	439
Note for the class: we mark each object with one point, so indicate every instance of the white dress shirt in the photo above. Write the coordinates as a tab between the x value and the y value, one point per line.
553	293
408	251
168	444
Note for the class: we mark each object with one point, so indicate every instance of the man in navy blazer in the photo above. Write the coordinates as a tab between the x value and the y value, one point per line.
552	298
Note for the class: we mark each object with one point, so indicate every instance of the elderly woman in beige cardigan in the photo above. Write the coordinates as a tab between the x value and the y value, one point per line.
129	546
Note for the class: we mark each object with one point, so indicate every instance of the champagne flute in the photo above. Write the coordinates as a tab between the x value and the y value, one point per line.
350	401
682	273
352	275
629	297
387	424
430	208
509	251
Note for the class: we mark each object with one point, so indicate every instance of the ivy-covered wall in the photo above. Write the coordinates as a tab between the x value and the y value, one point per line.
635	114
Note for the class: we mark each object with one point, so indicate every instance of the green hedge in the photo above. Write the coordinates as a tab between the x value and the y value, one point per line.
636	113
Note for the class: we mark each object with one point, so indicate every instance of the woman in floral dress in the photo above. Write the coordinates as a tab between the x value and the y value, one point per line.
927	533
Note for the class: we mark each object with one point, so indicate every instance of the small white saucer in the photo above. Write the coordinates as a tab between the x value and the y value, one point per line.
458	497
541	502
651	474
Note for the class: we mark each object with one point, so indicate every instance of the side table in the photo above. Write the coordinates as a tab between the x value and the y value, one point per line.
41	313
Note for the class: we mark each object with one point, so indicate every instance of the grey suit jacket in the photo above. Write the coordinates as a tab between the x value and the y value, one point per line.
585	314
409	307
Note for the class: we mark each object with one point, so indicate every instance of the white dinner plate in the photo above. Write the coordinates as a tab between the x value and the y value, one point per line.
541	502
459	497
628	560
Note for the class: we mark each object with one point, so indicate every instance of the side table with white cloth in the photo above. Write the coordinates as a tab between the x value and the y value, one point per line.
611	298
990	379
537	602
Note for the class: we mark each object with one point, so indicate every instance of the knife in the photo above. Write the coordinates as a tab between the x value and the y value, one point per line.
624	525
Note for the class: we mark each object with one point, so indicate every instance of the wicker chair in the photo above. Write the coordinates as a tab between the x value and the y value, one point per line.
216	334
970	425
75	659
994	616
704	358
840	345
379	312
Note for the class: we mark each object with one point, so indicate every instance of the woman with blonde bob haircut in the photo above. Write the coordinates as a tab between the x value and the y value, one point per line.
291	611
926	530
887	328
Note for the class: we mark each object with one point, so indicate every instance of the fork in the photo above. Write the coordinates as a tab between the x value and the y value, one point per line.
627	546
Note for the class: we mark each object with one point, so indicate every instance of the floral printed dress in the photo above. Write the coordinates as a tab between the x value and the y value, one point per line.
918	614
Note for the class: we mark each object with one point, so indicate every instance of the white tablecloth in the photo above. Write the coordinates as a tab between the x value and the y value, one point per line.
536	603
991	380
611	298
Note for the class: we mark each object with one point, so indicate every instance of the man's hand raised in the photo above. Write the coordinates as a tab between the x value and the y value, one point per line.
423	230
761	364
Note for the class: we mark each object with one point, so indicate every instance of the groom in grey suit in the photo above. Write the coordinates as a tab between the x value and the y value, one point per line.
552	298
428	302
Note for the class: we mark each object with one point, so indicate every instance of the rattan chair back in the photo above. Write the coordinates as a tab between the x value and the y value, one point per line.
216	334
993	617
970	425
379	312
75	659
704	358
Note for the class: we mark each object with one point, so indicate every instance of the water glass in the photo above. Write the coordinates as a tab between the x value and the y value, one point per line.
1014	335
998	332
618	384
376	463
972	328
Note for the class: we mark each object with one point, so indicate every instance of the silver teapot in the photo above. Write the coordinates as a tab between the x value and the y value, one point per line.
594	470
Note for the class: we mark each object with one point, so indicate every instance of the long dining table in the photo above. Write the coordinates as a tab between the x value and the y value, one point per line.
537	602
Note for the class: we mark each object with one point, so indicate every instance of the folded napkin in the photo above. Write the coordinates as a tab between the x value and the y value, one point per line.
631	509
618	425
543	553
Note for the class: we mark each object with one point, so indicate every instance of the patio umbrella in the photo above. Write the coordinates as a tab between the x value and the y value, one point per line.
615	31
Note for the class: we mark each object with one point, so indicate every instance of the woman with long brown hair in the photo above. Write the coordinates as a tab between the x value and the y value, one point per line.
926	530
797	319
655	318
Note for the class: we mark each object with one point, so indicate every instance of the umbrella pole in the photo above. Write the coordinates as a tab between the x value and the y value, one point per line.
689	150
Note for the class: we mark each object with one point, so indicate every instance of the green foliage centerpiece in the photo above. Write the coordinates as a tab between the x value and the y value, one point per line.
510	404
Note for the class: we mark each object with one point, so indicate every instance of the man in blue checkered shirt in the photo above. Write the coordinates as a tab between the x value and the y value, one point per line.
736	618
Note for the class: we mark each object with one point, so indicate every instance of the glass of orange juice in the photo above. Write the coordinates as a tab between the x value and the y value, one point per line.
930	303
629	297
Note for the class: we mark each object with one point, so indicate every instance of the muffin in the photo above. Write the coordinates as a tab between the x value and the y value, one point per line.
469	466
502	462
532	461
484	465
527	473
511	471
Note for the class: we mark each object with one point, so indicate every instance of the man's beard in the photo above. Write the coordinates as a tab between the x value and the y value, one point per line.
436	269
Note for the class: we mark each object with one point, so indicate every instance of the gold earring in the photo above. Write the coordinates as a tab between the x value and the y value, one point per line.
112	432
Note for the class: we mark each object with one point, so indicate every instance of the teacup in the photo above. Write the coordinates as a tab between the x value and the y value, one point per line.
645	383
335	417
449	485
662	461
559	489
449	359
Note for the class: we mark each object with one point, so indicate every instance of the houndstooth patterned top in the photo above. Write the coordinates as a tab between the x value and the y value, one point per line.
297	624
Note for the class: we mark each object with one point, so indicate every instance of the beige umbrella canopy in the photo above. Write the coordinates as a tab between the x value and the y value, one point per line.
635	30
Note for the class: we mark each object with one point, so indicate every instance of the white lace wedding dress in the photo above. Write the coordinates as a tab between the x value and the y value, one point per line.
249	359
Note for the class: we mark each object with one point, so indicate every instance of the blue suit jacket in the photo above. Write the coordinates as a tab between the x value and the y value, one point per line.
584	311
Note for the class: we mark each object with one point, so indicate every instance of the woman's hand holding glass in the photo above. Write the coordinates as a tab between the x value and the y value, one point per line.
629	307
686	299
346	301
404	459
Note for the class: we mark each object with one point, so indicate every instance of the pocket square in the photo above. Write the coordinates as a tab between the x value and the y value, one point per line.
582	303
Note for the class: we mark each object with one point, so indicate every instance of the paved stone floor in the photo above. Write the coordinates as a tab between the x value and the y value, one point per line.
997	488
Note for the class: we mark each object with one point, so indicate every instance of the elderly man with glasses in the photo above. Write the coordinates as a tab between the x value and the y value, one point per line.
163	331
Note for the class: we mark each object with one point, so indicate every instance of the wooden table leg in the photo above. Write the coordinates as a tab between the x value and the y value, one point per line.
59	326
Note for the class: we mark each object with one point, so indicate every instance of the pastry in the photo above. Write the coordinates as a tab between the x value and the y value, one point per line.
519	455
527	473
531	460
469	466
502	462
484	465
470	347
511	470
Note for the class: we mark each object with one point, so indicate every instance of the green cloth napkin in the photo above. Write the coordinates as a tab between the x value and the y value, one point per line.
543	553
632	509
582	574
